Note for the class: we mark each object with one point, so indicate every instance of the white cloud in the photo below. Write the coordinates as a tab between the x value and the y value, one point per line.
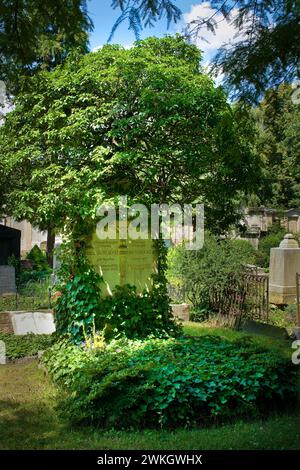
209	42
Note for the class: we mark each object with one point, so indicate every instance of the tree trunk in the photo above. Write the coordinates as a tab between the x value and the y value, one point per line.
50	245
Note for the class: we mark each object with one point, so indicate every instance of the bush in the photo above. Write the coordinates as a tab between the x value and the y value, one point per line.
271	240
286	318
136	316
27	345
212	267
38	257
173	382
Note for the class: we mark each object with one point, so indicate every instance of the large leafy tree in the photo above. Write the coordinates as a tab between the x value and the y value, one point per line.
146	122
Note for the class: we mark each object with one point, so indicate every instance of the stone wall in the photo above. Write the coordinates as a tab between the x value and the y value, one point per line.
5	323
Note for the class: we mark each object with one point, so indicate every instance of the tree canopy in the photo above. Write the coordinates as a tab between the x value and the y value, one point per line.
146	122
266	53
39	34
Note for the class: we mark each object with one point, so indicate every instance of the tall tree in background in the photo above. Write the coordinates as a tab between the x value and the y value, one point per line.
39	34
278	118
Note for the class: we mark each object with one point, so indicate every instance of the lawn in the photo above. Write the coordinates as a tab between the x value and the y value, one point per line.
28	419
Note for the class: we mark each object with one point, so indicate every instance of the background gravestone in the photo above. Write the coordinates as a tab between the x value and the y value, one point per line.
284	264
123	262
7	280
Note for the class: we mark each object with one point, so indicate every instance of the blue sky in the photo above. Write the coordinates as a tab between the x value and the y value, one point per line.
104	17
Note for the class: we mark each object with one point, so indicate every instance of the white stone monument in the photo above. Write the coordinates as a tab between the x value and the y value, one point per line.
284	264
32	322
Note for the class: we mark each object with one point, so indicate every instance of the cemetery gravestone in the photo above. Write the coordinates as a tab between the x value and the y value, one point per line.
123	262
284	264
32	322
7	280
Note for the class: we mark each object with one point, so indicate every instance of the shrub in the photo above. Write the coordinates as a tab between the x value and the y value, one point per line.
271	240
136	316
171	382
200	271
27	345
39	259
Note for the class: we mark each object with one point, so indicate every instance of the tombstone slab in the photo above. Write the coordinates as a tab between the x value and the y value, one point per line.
32	322
7	280
122	262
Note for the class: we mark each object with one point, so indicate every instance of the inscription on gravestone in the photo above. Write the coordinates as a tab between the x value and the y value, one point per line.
7	280
123	262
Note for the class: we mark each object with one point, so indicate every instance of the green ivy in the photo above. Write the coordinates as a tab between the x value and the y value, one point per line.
136	316
25	345
173	382
78	304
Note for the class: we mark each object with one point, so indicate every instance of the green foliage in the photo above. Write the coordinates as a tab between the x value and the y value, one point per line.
141	14
78	304
136	316
26	276
271	240
212	267
278	136
284	318
38	257
39	34
170	382
267	51
14	262
112	122
27	345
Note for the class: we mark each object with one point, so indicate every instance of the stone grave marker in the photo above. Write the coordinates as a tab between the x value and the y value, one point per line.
7	280
123	262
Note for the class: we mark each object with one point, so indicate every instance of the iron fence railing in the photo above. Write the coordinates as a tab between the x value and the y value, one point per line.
29	296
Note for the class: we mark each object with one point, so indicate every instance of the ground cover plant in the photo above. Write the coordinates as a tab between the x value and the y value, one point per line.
173	382
25	345
29	401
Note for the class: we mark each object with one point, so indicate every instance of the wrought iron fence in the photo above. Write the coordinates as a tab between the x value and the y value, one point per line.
246	296
243	296
29	296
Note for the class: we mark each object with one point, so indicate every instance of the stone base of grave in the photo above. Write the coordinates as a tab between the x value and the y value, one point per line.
284	264
181	311
280	297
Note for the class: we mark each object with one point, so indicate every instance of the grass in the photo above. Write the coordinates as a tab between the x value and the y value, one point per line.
201	329
28	419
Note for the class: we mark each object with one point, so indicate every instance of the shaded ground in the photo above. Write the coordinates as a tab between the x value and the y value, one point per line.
28	420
